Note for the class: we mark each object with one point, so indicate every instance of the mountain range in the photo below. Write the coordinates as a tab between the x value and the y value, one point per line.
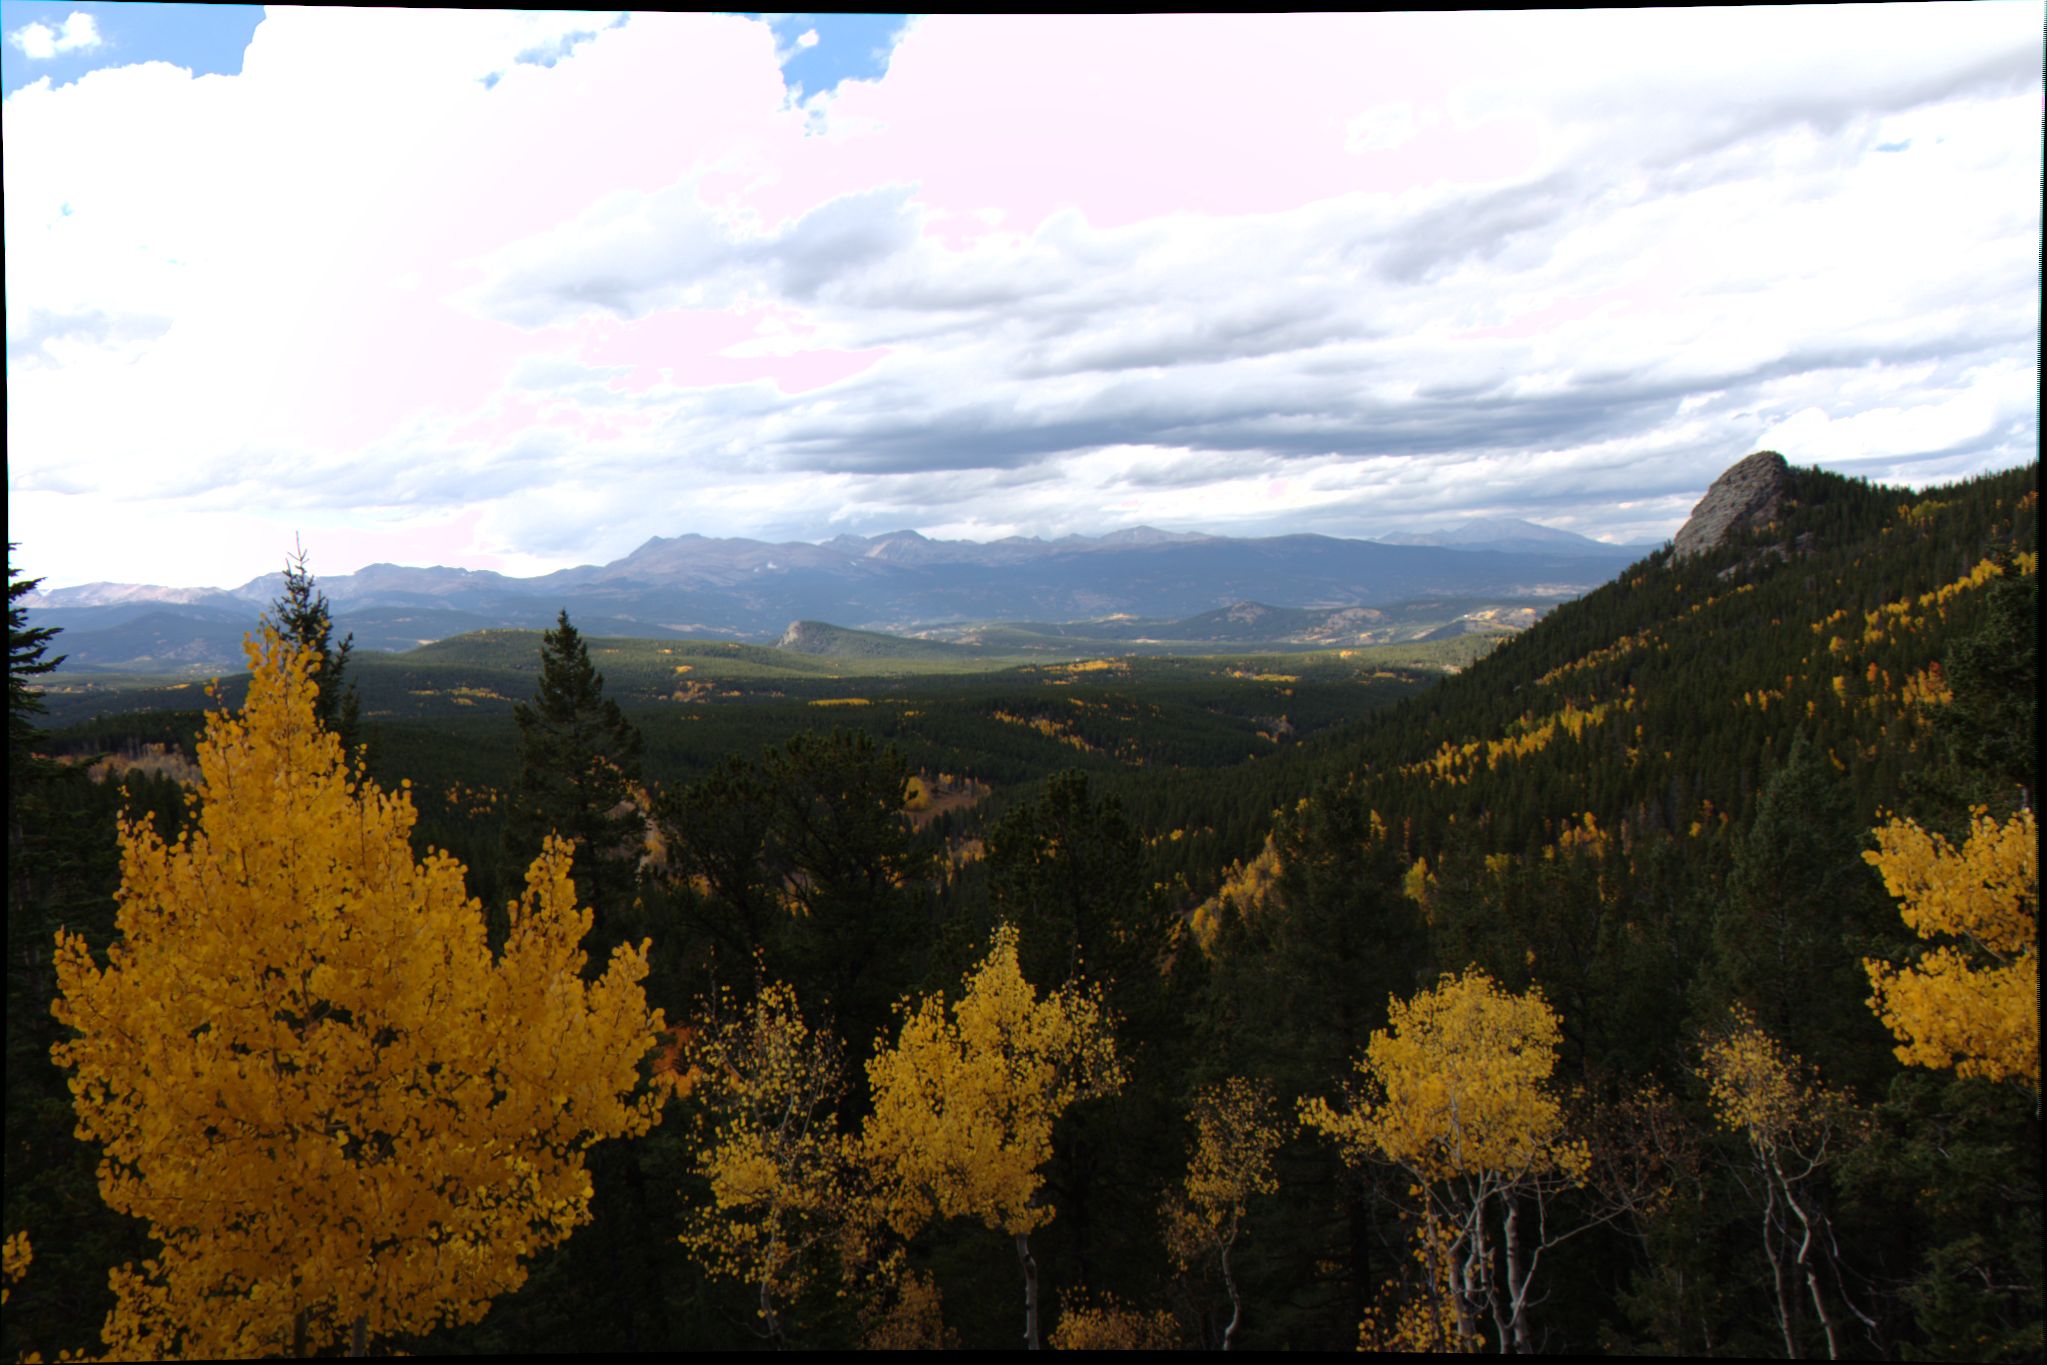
900	582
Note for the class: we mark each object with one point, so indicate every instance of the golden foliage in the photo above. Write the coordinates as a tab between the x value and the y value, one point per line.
1454	762
1050	729
330	1101
1755	1086
914	1319
1972	1005
1114	1327
1457	1093
768	1143
1247	884
15	1257
1458	1084
965	1100
1423	1322
1417	882
1626	644
1893	619
1927	687
1236	1131
1795	1127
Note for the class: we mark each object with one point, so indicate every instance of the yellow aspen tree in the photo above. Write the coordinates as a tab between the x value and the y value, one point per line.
965	1100
1236	1131
1113	1326
340	1113
1424	1322
15	1257
1795	1127
1971	1004
780	1172
1456	1092
909	1317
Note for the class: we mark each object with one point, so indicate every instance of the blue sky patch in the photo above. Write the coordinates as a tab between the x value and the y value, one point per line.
844	47
41	38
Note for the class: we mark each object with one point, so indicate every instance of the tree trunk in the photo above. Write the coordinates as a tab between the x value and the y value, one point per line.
1460	1297
1490	1278
1778	1275
774	1323
359	1335
1236	1303
1517	1279
1812	1282
1030	1269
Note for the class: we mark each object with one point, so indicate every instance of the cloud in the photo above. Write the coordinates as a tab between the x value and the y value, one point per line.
39	42
555	46
631	255
1209	272
36	337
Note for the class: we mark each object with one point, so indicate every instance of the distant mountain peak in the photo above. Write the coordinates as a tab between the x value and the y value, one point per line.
899	581
1512	534
1147	535
114	594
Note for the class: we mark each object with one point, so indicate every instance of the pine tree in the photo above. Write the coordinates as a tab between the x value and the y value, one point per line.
25	648
579	763
1068	871
1993	719
304	619
1797	891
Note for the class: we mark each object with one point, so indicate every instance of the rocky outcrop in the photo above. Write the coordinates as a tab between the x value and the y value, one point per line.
808	637
1747	496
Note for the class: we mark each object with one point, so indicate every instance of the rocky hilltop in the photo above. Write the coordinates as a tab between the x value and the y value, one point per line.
1748	495
808	637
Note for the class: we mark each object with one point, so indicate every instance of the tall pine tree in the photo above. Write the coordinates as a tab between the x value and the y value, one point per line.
579	762
303	619
25	648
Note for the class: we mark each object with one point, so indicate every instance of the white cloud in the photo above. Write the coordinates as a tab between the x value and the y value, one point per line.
624	294
39	42
1381	129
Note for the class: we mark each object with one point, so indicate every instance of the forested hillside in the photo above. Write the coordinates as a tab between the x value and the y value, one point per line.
1656	984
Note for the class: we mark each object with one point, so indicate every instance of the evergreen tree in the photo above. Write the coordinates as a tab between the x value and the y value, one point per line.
579	764
25	649
852	873
1068	871
1797	892
716	878
1992	723
303	619
61	869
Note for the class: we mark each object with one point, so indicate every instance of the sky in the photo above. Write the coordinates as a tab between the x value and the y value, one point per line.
519	290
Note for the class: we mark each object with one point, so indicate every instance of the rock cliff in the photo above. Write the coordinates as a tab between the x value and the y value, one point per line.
1748	495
